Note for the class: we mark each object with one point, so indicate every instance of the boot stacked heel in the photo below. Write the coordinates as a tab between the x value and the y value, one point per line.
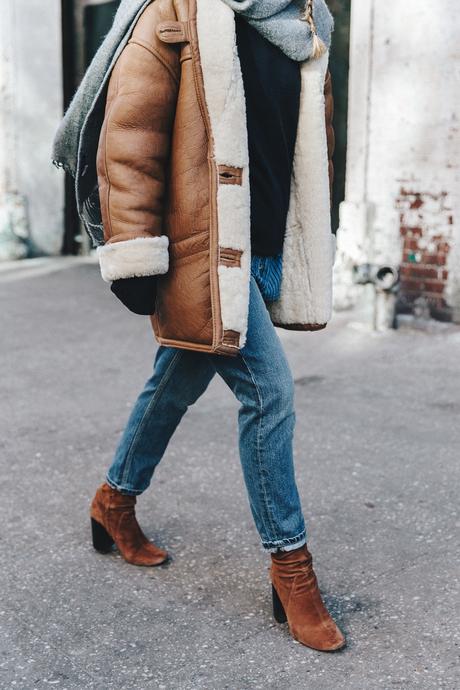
278	608
102	541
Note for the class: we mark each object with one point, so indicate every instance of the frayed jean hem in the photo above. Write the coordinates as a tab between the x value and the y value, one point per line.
286	544
122	489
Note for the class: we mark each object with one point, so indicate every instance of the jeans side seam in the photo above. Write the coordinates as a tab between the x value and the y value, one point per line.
259	461
164	380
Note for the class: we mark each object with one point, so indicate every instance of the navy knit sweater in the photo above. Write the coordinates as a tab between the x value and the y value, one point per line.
272	90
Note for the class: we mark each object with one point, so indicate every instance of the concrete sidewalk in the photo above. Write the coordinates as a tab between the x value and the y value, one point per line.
377	454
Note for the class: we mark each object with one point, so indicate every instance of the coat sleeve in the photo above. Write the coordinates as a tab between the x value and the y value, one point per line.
133	154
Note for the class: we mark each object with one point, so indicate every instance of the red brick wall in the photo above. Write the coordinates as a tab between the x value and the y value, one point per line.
425	228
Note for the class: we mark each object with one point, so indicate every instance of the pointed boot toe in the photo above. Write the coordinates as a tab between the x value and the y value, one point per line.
149	555
325	638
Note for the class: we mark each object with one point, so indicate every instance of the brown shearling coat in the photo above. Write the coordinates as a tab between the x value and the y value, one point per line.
173	175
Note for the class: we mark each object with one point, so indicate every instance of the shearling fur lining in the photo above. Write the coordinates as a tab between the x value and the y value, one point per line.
224	92
142	256
306	287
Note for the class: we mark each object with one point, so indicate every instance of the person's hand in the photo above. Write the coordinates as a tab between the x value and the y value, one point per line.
138	294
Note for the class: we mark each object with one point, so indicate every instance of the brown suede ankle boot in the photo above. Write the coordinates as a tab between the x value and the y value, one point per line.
113	520
297	599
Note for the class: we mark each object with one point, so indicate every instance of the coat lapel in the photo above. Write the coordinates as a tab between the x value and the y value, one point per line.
224	93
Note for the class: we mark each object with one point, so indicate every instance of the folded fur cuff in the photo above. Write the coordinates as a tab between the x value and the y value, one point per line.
142	256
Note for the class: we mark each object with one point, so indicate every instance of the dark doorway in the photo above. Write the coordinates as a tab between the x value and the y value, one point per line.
339	66
97	20
70	244
83	29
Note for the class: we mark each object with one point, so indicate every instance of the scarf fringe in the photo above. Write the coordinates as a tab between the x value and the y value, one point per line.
318	45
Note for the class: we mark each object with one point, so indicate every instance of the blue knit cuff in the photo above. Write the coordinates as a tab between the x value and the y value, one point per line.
267	272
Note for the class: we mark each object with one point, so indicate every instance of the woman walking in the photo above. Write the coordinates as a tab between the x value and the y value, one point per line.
199	141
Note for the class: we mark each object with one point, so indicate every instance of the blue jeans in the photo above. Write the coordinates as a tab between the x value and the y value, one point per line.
261	380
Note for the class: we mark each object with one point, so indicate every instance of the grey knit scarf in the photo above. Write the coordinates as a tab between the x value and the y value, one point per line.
280	21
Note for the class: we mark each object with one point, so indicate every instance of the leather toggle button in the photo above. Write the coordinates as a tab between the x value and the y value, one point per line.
230	175
173	32
231	339
230	257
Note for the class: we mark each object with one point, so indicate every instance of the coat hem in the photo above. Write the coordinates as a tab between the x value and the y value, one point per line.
301	326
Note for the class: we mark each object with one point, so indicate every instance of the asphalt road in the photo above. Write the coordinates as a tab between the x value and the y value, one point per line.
377	458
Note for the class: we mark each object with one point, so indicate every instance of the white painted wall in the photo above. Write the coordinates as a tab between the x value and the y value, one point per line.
31	190
404	111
